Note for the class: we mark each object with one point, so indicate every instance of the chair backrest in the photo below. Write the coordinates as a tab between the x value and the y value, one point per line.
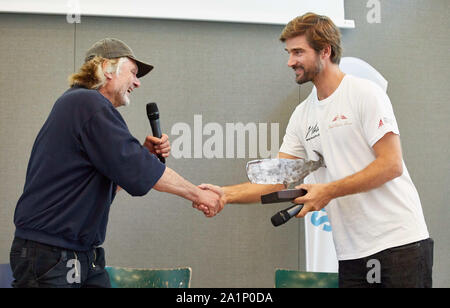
5	276
123	277
297	279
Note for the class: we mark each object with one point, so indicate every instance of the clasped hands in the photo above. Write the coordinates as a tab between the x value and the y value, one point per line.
209	198
215	200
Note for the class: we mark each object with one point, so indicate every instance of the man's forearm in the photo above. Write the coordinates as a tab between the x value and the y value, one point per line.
387	165
172	182
248	192
251	193
373	176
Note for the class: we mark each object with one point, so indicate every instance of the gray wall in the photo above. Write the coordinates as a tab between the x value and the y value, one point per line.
227	73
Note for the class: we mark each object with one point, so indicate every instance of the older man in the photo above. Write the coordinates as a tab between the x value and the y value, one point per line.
81	156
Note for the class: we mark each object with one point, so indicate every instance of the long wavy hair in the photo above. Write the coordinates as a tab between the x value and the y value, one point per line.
91	74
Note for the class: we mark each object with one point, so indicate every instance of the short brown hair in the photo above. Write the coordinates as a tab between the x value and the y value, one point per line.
319	30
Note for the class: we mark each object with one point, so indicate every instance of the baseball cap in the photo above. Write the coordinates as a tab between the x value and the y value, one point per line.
111	48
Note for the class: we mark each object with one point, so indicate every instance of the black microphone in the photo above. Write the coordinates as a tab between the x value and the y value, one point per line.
153	117
283	216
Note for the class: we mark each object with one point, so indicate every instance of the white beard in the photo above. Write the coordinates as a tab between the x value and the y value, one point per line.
126	100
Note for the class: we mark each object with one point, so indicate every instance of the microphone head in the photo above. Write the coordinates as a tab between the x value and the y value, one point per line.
152	111
279	218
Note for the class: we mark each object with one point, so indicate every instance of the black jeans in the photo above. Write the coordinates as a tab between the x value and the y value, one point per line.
37	265
407	266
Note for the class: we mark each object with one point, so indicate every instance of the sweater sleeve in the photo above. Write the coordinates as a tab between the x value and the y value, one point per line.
119	156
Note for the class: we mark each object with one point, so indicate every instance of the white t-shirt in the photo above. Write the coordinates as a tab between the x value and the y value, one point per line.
344	127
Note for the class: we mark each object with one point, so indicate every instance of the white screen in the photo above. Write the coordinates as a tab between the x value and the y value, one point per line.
246	11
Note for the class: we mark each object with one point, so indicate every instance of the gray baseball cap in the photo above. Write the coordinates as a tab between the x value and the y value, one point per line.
111	48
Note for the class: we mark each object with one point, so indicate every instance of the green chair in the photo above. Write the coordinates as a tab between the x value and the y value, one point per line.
122	277
297	279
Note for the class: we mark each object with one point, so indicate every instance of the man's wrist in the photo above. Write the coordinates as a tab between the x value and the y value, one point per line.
196	195
226	195
332	189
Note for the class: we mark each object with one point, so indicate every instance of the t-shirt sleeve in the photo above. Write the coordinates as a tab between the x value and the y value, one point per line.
377	115
119	156
292	144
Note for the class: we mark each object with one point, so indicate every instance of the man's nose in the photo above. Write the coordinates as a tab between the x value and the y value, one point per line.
291	61
136	82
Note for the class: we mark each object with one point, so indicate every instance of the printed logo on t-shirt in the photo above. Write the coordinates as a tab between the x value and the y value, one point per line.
339	120
384	121
313	132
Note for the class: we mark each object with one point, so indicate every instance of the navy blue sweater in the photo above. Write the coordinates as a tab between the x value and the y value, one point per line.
83	151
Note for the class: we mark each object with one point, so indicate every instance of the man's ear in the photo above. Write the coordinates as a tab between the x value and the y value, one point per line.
326	52
105	66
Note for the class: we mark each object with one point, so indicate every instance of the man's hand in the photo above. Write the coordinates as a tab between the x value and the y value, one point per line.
387	165
221	195
316	199
158	145
209	202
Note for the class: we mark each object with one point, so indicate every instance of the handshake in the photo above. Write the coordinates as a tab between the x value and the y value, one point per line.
211	200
